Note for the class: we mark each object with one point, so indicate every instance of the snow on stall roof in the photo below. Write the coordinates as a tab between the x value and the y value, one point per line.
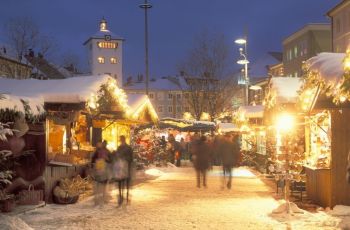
135	100
286	88
14	103
228	127
70	90
329	66
252	111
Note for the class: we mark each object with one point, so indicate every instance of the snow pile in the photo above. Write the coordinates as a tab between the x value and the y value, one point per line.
328	65
340	210
70	90
154	172
13	223
286	88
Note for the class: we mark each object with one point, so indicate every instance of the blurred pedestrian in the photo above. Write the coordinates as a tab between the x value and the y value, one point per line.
99	161
200	156
229	151
122	169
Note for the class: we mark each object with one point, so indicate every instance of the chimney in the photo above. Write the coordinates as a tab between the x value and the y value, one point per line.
31	53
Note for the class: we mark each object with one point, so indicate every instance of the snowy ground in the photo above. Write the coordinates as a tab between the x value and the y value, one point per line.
172	201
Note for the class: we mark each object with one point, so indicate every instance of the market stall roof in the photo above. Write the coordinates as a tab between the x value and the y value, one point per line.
286	88
70	90
252	111
227	127
187	125
329	66
140	104
18	104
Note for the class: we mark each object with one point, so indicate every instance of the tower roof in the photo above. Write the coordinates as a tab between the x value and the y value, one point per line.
101	34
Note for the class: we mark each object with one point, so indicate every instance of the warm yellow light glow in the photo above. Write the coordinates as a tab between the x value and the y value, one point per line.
113	60
285	122
347	61
107	45
205	116
342	98
101	60
187	116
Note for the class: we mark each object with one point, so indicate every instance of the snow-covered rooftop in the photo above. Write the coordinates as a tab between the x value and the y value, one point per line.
70	90
328	65
14	103
250	111
286	88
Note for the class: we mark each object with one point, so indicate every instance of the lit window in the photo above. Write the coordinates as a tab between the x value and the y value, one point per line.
107	45
113	60
101	60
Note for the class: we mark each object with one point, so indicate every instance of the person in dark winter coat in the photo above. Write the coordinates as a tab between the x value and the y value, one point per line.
124	153
229	151
201	158
99	161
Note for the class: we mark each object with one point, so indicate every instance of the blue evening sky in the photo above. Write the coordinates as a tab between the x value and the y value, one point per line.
172	25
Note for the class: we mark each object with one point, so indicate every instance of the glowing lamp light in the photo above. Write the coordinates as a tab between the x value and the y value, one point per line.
243	62
241	41
347	61
285	122
255	87
342	99
187	116
205	116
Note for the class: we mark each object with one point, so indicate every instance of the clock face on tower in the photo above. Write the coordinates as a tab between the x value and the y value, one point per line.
107	37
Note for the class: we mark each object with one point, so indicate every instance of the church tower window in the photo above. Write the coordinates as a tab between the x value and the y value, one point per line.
101	60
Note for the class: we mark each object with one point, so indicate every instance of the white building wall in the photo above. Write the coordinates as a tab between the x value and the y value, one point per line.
115	70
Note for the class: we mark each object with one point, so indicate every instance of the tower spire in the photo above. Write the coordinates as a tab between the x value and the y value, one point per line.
103	25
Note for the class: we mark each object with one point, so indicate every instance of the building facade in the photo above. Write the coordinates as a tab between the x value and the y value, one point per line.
105	53
340	21
304	44
165	93
13	68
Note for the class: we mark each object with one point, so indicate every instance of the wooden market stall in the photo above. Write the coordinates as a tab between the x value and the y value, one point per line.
325	101
80	112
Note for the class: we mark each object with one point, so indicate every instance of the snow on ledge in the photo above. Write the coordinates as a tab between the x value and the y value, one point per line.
14	103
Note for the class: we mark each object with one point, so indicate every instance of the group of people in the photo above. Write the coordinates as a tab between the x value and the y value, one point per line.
112	167
205	151
116	167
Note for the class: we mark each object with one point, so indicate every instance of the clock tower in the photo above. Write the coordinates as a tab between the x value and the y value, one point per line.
105	53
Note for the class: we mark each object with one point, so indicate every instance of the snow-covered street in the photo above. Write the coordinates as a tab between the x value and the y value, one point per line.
172	201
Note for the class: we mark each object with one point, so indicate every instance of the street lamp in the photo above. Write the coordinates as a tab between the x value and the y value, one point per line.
146	6
245	62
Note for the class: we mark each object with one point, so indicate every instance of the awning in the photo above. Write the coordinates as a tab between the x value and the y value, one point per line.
252	111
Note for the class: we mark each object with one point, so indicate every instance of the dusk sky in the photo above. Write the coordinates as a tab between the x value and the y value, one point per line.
172	25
